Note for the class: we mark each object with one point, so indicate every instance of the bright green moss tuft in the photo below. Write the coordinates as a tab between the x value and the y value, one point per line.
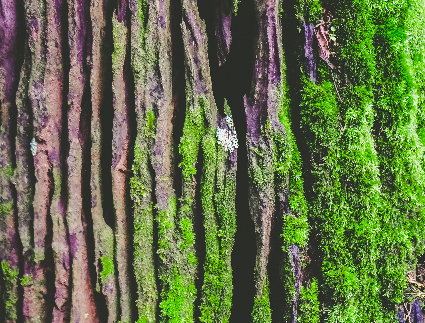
193	130
107	268
10	296
27	280
309	309
295	231
6	207
262	312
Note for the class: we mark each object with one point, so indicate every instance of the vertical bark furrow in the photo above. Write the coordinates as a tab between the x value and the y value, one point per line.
24	181
8	233
222	23
83	307
103	233
120	150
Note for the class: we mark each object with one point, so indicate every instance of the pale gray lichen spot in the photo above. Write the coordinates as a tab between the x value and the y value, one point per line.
227	138
33	146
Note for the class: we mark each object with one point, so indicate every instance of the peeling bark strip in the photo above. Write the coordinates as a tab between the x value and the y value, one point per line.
103	233
8	234
83	306
120	150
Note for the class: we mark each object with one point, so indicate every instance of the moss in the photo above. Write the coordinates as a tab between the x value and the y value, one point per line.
295	231
179	296
120	44
262	312
108	268
6	172
143	223
10	296
6	207
309	309
27	280
193	130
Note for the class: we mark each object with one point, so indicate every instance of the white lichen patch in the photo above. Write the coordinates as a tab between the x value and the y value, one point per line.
227	137
33	146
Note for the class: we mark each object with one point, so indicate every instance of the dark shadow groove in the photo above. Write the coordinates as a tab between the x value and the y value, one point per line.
49	260
199	230
132	118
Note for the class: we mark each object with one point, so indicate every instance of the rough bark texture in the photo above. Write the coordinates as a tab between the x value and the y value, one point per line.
261	116
103	233
335	139
8	230
83	307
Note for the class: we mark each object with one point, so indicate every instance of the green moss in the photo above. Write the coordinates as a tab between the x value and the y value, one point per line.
188	234
177	305
262	312
120	44
295	231
108	268
193	130
10	295
309	308
6	207
27	280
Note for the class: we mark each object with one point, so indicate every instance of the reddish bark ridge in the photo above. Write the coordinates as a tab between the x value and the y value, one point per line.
308	50
51	135
8	234
83	307
35	307
103	234
120	150
222	23
262	122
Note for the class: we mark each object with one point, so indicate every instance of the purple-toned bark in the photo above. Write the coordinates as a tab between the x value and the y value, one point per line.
198	76
416	312
103	234
83	307
308	50
222	23
120	150
8	82
261	108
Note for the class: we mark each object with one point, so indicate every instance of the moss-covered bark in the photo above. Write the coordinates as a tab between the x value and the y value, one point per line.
335	153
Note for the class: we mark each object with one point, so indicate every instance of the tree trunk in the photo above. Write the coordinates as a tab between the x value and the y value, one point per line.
329	107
